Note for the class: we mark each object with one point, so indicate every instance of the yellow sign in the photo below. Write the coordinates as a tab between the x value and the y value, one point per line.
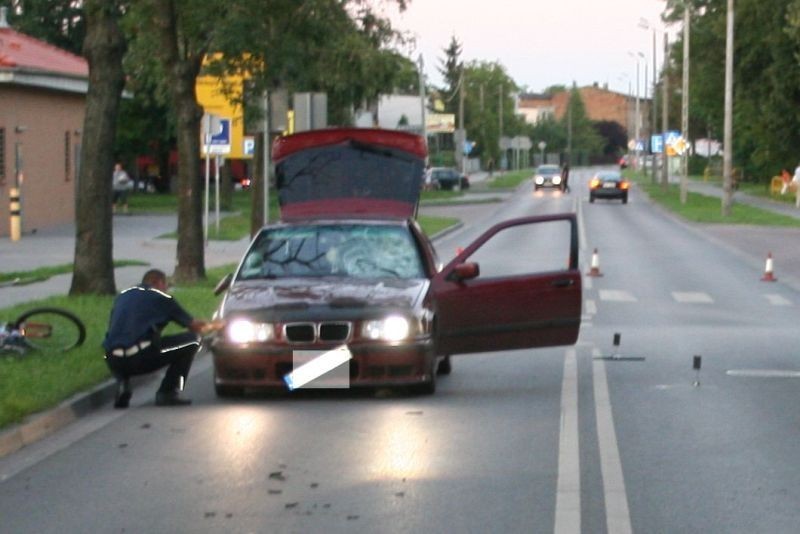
222	97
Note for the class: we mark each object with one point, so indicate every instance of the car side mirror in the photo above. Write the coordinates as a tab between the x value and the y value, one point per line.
465	271
223	284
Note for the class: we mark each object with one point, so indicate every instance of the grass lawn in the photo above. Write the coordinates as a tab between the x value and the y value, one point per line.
510	180
37	381
705	209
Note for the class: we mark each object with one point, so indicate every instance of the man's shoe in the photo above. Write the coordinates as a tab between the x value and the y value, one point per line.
171	398
123	397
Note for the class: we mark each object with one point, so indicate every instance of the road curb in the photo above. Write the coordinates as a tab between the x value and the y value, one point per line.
45	423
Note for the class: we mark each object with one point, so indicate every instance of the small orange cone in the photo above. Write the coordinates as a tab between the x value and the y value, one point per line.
595	267
768	276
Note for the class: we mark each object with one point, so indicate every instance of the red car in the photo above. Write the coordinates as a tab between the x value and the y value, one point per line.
348	269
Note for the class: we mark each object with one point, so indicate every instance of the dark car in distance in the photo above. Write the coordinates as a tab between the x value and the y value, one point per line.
608	185
348	268
446	178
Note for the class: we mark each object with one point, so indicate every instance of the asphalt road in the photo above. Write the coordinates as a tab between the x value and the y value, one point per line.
591	438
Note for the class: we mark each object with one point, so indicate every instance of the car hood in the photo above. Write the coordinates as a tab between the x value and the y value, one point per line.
293	298
353	173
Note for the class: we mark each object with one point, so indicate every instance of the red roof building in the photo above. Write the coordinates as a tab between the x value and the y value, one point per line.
42	105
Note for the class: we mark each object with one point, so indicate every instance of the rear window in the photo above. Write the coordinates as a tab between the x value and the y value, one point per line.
338	250
349	170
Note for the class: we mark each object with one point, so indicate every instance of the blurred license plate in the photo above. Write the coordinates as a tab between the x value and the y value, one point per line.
609	185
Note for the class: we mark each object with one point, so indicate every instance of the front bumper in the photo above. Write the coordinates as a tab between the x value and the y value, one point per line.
372	364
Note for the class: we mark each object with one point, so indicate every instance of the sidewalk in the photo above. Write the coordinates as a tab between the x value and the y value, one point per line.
135	238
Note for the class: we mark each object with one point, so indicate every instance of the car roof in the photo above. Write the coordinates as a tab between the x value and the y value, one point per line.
609	175
548	167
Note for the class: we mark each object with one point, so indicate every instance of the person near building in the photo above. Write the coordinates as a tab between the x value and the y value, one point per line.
121	185
134	345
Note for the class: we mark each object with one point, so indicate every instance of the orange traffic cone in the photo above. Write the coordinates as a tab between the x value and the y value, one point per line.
595	267
768	276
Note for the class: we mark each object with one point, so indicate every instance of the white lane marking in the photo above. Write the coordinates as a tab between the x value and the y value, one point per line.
590	307
568	492
692	297
615	295
763	373
618	518
587	282
777	300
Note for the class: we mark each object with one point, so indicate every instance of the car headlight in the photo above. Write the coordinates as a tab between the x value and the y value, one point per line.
245	331
556	180
392	328
539	180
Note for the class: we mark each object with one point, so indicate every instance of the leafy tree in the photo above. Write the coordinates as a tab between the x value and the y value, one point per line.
104	47
450	67
58	22
615	137
486	85
584	138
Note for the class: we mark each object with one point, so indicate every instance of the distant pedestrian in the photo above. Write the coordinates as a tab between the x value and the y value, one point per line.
121	184
565	178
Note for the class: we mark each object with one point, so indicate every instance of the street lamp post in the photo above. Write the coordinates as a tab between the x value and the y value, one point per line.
646	25
685	102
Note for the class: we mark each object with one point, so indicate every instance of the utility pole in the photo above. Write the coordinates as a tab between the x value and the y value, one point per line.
463	135
500	121
727	155
665	117
422	99
653	105
685	102
569	125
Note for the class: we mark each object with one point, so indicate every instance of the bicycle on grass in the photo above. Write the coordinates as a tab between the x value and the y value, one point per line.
42	329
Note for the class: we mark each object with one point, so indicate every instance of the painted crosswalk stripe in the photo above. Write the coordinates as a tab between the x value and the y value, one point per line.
616	295
778	300
692	297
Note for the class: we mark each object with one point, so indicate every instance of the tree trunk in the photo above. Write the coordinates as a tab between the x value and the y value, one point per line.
182	67
257	187
104	48
226	187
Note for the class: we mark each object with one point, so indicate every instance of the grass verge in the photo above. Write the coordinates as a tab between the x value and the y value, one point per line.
21	278
708	210
37	381
510	180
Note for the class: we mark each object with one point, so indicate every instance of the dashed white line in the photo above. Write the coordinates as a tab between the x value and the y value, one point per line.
616	295
692	297
778	300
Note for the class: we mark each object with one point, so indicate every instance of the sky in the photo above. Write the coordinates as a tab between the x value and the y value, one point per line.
542	42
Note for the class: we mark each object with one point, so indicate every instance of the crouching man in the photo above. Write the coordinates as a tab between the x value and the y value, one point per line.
134	345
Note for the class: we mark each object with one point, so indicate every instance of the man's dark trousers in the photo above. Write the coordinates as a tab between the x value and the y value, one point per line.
175	351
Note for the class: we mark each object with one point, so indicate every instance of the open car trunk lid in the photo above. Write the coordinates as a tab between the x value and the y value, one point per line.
349	173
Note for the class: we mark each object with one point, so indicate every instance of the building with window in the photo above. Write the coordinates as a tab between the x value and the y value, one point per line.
42	103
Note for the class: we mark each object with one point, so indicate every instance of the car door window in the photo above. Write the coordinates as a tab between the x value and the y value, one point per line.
538	248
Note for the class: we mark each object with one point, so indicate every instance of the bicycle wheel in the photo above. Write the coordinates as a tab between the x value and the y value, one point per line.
51	329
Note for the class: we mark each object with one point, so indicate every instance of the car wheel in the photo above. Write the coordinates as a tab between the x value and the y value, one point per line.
625	199
591	198
228	391
445	366
429	386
